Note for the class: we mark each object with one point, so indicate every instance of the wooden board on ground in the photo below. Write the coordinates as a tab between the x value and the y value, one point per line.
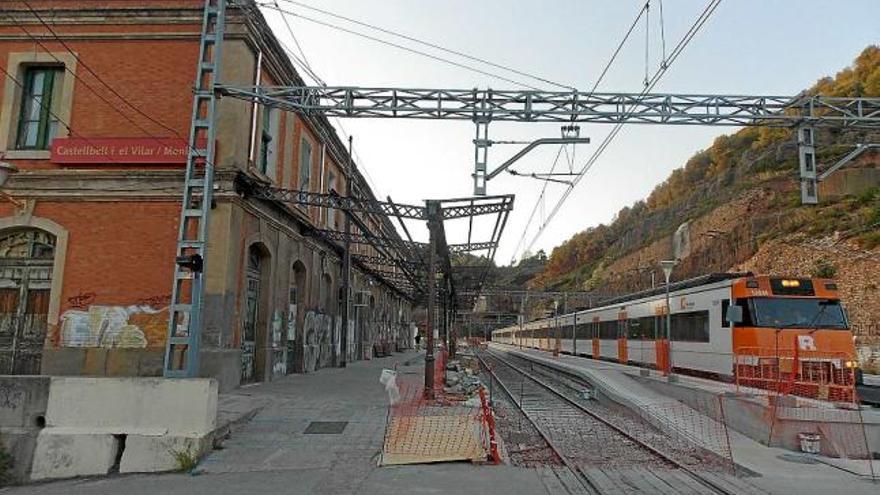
427	439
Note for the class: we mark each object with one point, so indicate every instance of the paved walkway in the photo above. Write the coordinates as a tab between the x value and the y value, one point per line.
271	454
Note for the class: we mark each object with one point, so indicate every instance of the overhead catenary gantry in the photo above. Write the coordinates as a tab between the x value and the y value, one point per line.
483	106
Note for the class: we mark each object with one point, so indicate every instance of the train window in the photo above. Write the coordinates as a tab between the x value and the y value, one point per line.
634	329
782	312
608	330
690	327
584	331
747	319
646	327
725	303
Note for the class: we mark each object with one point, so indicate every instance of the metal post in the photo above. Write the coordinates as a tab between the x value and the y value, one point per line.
807	161
574	342
346	265
444	322
667	272
481	153
432	294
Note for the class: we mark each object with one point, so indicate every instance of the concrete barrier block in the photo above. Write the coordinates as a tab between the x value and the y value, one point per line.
150	454
23	401
66	455
178	407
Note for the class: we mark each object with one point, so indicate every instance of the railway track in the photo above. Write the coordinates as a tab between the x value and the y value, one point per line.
598	454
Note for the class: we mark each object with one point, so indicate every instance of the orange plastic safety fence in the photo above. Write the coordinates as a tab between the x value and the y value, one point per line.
828	376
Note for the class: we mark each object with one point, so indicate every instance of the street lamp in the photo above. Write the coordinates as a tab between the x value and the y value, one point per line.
667	266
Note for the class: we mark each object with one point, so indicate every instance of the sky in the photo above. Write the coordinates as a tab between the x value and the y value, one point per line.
754	47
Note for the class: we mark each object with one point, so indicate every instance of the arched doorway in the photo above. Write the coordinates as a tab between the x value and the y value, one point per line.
26	265
295	316
254	326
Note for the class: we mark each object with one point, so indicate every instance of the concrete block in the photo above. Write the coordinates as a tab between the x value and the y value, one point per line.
20	443
150	454
62	454
177	407
23	401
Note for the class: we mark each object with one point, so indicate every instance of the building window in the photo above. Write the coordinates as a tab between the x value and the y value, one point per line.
305	164
41	98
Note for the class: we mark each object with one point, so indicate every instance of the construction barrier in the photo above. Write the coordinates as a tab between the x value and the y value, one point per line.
821	375
420	430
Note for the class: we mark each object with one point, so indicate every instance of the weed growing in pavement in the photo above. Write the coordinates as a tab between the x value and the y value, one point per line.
186	459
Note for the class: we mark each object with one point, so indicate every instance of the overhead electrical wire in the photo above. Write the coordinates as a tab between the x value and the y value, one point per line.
429	44
595	86
306	66
677	50
401	47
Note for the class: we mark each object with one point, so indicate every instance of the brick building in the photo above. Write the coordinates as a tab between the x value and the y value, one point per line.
89	224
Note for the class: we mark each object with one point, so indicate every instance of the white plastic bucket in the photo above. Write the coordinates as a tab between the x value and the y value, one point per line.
811	443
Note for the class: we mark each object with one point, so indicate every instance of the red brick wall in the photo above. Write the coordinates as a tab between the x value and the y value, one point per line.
155	76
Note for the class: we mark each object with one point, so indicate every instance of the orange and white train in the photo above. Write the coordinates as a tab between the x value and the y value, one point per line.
766	332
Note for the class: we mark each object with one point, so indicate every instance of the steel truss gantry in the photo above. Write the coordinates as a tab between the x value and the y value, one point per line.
566	106
483	106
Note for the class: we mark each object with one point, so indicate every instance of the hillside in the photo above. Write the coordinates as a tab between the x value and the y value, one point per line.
737	206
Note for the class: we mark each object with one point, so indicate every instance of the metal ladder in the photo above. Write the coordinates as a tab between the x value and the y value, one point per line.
185	320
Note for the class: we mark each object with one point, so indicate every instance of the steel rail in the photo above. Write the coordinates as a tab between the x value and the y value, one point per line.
641	443
585	480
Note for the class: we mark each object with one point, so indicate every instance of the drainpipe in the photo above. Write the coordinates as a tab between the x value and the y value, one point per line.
257	79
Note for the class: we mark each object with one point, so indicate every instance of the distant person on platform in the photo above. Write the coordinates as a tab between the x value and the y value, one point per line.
418	341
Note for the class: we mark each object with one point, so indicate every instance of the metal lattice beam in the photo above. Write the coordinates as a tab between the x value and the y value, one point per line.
473	246
388	262
366	239
566	107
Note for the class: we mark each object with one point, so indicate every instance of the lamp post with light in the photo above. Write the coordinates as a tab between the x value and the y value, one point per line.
667	266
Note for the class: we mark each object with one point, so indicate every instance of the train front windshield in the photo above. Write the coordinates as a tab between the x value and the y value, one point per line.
781	312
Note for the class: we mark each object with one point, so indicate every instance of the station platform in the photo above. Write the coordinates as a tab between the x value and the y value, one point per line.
776	470
269	452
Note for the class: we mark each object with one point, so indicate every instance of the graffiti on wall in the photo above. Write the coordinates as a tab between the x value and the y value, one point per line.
135	326
279	351
318	340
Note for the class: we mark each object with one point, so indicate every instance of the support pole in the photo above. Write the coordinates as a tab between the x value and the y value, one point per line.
481	154
807	161
453	332
346	266
432	293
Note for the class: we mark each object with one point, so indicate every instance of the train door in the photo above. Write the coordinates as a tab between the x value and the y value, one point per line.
622	329
661	345
597	346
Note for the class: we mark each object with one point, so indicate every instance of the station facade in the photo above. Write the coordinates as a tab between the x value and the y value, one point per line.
94	113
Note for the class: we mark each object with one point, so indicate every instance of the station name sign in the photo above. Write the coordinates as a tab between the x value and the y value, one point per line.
124	151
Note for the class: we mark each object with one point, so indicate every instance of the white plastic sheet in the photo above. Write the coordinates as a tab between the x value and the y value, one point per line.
388	379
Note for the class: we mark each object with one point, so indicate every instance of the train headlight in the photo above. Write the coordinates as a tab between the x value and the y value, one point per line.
851	364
